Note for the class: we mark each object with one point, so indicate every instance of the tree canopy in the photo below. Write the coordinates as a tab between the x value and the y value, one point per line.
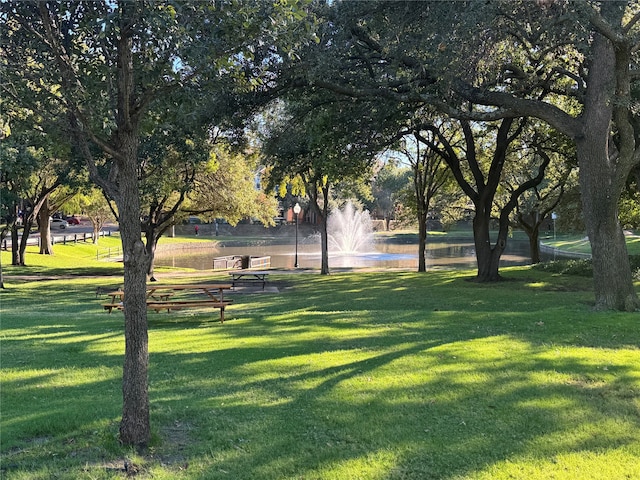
570	64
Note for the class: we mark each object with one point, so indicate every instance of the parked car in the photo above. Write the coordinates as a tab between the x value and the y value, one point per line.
73	220
58	223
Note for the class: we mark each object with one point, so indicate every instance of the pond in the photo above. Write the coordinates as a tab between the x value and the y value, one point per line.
384	254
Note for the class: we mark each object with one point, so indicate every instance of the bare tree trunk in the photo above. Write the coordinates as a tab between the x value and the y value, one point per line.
612	278
534	244
15	246
601	182
422	240
135	425
3	235
324	234
24	240
152	243
324	242
487	257
46	247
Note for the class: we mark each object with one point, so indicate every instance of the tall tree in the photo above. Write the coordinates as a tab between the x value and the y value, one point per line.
535	206
227	188
318	141
388	184
37	160
109	64
480	178
430	174
92	203
571	64
598	72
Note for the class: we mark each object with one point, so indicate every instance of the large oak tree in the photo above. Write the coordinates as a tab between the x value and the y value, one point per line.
571	64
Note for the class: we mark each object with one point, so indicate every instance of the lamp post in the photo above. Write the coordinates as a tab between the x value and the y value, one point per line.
554	216
296	211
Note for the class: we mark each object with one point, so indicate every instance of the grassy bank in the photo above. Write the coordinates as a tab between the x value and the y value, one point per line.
351	376
82	258
574	243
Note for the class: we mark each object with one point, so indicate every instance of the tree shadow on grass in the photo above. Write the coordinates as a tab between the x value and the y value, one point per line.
338	379
438	425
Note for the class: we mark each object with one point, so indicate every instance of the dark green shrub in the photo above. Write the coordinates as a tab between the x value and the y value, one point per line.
579	267
583	267
635	266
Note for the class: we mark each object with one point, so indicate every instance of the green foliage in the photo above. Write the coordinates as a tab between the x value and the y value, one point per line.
582	267
579	267
227	189
630	209
388	184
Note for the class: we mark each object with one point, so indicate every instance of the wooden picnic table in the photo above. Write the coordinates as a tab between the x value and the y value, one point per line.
249	276
158	297
213	290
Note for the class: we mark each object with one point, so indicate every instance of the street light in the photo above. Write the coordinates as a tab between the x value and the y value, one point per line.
296	211
554	217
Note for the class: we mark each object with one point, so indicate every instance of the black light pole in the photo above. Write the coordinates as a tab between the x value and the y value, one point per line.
296	211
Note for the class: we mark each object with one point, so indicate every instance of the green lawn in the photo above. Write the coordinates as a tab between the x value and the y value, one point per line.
351	376
580	243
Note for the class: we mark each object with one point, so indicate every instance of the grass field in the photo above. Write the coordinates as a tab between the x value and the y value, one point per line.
383	375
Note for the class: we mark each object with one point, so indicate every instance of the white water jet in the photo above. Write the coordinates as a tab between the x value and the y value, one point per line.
350	231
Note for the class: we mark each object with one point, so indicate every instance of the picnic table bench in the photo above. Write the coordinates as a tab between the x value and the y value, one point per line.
159	298
248	277
170	305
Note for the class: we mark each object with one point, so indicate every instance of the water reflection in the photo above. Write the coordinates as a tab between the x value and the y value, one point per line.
454	254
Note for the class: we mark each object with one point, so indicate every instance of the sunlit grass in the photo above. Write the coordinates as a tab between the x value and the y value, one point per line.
81	258
360	375
579	243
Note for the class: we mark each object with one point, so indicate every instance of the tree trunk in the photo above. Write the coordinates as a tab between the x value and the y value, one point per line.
3	236
532	229
324	234
135	425
324	242
613	281
15	250
422	240
24	240
46	247
487	257
534	243
602	179
152	243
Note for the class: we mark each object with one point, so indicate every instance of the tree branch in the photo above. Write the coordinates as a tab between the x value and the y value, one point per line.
551	114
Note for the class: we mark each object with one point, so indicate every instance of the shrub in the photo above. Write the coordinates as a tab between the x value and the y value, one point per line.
579	267
583	267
